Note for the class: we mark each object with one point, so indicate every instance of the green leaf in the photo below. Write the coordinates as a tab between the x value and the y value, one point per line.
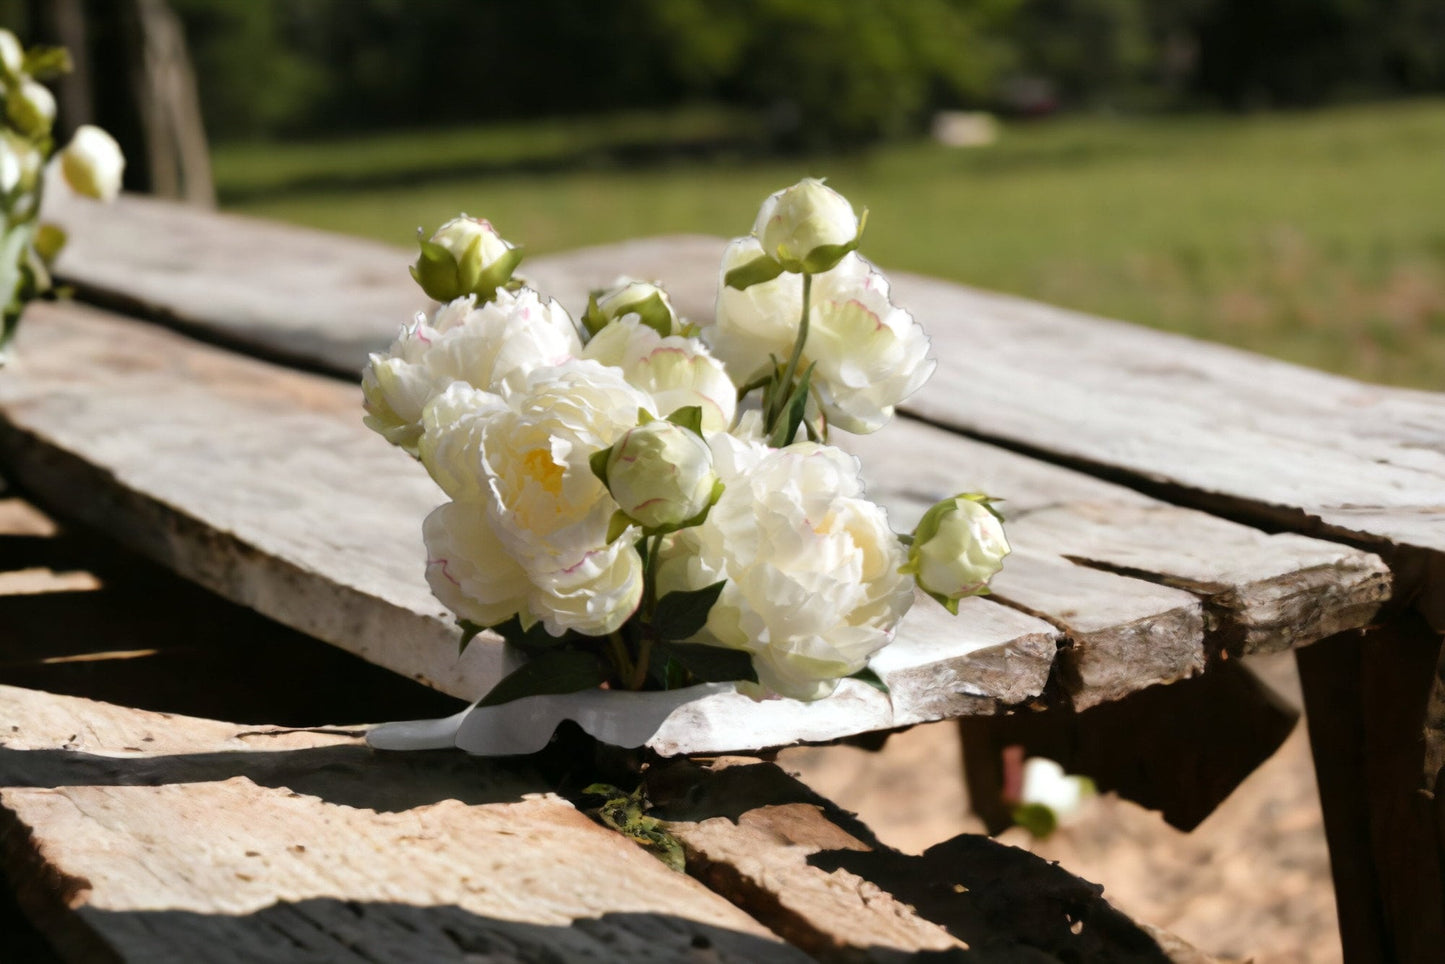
617	525
598	461
470	631
688	417
626	814
682	613
792	414
709	664
755	272
531	640
593	319
866	675
436	271
46	63
1036	818
496	275
653	312
555	671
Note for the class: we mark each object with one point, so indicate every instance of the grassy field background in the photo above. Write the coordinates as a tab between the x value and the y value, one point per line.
1315	237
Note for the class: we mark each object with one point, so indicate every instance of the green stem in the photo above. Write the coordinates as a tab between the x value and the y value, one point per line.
619	655
780	399
651	545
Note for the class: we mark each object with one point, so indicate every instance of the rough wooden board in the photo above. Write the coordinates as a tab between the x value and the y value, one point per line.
1142	588
785	859
261	483
141	836
308	297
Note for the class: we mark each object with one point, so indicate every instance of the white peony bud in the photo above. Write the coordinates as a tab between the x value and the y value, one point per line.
661	474
30	107
958	546
20	162
465	256
643	299
12	54
92	163
808	226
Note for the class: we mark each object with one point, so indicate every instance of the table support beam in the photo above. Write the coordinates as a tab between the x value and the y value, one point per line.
1365	701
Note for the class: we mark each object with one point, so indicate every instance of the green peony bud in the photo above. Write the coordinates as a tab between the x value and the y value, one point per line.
465	256
958	546
30	108
807	227
92	163
627	297
661	475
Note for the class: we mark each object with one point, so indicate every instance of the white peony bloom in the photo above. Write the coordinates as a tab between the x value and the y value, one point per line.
870	354
549	510
92	163
958	546
467	567
451	441
813	588
800	226
675	371
661	474
491	348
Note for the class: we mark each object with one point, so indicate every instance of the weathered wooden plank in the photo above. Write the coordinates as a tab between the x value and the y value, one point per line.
1143	589
801	866
148	837
260	483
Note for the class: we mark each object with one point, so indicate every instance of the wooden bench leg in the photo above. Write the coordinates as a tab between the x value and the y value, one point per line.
1365	700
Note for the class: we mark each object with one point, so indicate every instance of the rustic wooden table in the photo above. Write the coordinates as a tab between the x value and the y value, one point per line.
1173	505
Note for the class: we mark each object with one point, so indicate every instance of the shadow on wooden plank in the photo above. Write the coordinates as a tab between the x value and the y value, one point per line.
1180	749
1006	903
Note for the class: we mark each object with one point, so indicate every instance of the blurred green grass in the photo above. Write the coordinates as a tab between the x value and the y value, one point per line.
1315	237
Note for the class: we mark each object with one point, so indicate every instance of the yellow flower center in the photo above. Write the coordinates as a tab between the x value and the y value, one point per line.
543	471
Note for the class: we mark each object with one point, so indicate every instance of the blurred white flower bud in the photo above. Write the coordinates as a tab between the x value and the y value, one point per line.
92	163
30	108
12	55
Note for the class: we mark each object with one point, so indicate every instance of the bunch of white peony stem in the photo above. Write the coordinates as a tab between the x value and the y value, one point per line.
642	503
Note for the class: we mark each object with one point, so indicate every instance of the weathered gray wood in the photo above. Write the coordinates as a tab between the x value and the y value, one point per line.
1144	590
261	483
147	837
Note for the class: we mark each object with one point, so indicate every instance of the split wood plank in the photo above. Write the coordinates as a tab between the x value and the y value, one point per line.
146	837
262	484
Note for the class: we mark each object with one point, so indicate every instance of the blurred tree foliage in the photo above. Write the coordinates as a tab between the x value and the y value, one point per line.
834	73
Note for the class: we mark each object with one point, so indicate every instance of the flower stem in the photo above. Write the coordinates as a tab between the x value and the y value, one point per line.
638	675
619	656
780	399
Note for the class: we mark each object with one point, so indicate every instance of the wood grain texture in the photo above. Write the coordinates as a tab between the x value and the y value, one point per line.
261	483
151	837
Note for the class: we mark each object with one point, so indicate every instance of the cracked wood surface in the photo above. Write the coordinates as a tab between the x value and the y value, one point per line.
151	837
154	837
